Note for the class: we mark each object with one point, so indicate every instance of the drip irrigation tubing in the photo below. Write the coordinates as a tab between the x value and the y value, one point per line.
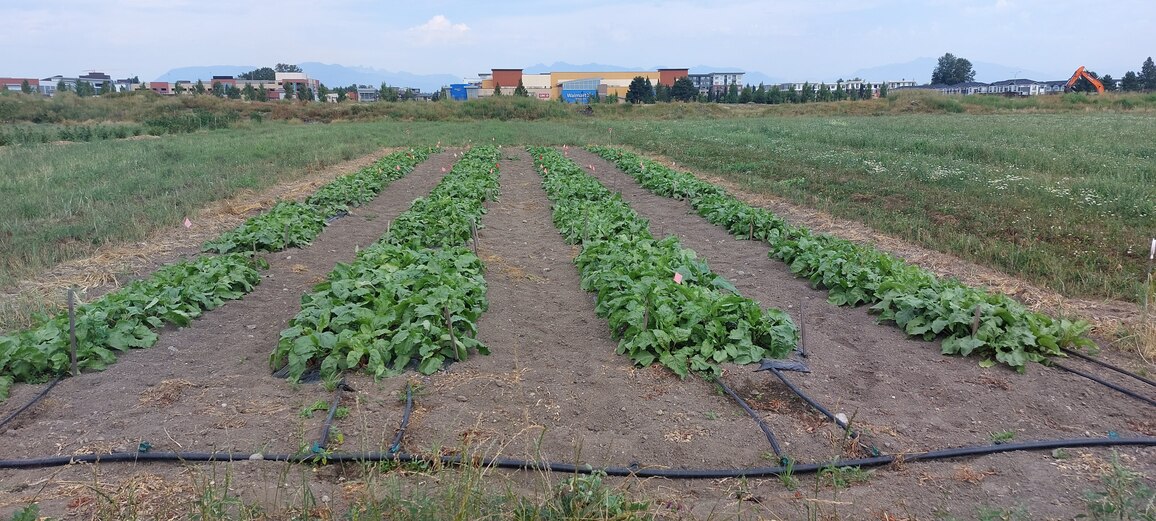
758	419
323	440
1105	383
636	471
35	399
395	447
1108	366
851	433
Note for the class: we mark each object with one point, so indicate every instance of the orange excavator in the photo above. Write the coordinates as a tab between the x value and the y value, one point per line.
1081	73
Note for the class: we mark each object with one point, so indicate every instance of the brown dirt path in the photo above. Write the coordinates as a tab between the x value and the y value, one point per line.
206	387
902	392
553	387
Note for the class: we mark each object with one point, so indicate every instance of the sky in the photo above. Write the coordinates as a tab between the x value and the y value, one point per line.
790	39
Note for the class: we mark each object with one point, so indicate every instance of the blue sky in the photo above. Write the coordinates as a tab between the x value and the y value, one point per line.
795	39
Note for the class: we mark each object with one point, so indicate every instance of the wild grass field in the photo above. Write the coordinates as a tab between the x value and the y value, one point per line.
1057	190
1067	201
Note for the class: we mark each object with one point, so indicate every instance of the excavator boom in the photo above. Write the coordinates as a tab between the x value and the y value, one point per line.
1082	73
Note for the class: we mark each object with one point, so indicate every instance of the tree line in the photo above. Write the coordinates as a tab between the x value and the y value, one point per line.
641	90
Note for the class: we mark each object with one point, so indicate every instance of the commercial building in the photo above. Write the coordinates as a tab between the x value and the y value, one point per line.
17	84
572	87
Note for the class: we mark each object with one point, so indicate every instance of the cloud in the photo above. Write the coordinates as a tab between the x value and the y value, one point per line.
439	30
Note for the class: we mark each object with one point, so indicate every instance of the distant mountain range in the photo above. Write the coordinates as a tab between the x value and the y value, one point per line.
334	75
331	75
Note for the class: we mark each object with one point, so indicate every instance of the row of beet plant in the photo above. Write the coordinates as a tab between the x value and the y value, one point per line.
969	320
125	318
128	317
663	304
290	224
413	297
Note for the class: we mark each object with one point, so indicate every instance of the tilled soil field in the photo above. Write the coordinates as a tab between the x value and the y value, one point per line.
553	389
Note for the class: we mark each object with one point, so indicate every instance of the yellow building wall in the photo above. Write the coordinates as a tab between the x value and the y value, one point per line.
556	78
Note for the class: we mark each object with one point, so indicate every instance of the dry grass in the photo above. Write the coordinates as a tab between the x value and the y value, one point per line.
113	265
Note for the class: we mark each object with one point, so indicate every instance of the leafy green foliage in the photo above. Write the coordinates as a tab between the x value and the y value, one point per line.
289	224
293	224
853	274
690	326
126	318
413	297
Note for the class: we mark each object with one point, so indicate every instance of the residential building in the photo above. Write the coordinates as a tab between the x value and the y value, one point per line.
715	83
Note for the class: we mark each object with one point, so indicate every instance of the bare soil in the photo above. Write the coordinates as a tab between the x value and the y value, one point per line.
554	389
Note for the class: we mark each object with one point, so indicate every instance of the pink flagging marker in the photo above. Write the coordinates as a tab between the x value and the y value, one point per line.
677	278
188	223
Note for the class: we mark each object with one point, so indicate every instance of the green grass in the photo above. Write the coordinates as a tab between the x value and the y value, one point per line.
1067	200
64	201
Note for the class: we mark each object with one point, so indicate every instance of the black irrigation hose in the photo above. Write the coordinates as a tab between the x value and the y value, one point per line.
35	399
354	457
1105	383
1109	366
799	392
319	446
395	447
758	419
852	434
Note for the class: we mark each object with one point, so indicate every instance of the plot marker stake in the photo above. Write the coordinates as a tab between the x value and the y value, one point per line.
72	329
474	235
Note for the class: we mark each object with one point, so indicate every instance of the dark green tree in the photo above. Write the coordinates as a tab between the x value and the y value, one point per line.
178	89
759	94
825	93
1148	75
683	90
84	88
732	93
218	89
262	93
389	93
322	92
249	93
520	90
808	93
497	89
290	90
883	90
951	70
1130	82
26	87
662	93
839	93
1109	82
285	67
746	95
262	74
864	90
775	96
199	88
232	92
105	87
341	96
639	90
308	96
792	95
